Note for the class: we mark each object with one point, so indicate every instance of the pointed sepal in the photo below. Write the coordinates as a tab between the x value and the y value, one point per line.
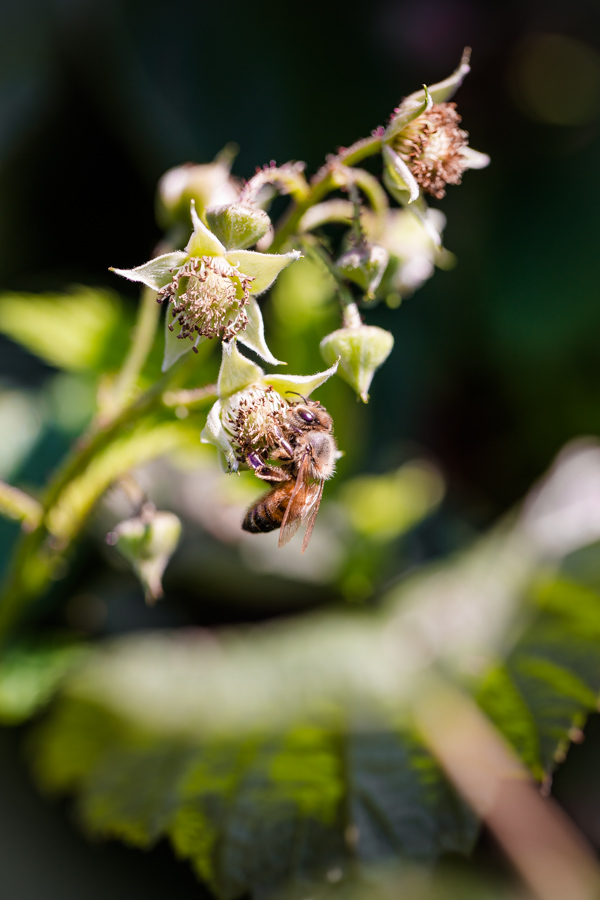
175	347
202	242
253	335
236	372
157	272
299	384
214	433
443	90
263	268
399	176
410	109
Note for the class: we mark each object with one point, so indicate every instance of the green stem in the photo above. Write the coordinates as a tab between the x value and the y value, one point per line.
38	557
141	344
324	182
312	247
190	398
16	504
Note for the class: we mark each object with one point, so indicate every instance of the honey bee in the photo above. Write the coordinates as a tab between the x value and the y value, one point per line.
308	452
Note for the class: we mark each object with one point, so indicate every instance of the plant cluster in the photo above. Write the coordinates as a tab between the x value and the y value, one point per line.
288	760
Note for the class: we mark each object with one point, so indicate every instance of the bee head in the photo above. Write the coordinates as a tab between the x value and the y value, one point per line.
309	416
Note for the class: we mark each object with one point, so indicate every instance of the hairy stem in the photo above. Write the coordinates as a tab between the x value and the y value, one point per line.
142	339
324	182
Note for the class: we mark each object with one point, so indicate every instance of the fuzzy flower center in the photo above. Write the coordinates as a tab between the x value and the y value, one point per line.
432	148
208	296
255	418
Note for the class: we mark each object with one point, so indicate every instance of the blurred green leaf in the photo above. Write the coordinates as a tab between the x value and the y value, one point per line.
30	674
549	682
82	330
258	813
146	441
287	751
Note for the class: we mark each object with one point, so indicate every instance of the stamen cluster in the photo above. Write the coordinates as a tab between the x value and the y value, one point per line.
255	421
208	296
432	147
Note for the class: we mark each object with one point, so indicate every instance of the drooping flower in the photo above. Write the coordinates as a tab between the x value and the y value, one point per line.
414	245
210	291
249	415
423	147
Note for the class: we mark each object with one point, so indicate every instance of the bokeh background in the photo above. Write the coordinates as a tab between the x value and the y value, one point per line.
496	362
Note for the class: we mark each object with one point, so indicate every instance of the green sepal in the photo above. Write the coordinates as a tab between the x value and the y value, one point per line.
202	242
263	268
443	90
175	346
399	175
409	110
475	159
214	433
253	335
236	372
301	384
157	273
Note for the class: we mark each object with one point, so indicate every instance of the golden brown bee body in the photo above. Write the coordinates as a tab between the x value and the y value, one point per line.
307	456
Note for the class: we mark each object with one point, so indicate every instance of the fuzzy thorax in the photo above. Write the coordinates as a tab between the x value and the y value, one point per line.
208	296
432	146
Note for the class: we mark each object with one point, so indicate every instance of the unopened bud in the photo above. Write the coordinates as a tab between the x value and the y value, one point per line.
361	351
209	184
238	226
365	266
148	541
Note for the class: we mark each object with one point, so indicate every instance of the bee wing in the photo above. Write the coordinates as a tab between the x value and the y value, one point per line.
304	496
313	515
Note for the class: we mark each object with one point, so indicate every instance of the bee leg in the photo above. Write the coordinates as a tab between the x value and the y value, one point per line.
285	449
272	474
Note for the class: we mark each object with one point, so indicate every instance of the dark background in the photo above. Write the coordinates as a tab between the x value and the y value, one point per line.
496	363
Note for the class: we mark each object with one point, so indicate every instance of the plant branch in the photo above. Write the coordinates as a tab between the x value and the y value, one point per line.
142	339
39	555
16	504
325	180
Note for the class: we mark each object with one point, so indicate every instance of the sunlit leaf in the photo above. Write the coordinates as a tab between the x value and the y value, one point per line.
80	330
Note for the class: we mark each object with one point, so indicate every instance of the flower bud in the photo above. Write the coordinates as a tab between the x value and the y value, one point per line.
209	184
361	351
238	226
148	541
365	266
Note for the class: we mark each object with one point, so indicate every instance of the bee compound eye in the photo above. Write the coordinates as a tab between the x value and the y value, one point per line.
306	415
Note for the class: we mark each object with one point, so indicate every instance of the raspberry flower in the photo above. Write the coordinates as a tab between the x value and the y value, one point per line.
210	291
248	417
423	147
414	247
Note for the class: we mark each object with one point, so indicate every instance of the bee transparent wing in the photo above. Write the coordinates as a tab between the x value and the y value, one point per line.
304	496
313	515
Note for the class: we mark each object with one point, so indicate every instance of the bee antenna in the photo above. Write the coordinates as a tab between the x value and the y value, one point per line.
298	395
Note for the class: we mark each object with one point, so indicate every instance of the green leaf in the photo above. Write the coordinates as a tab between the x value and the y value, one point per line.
82	330
258	813
145	442
30	673
550	681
